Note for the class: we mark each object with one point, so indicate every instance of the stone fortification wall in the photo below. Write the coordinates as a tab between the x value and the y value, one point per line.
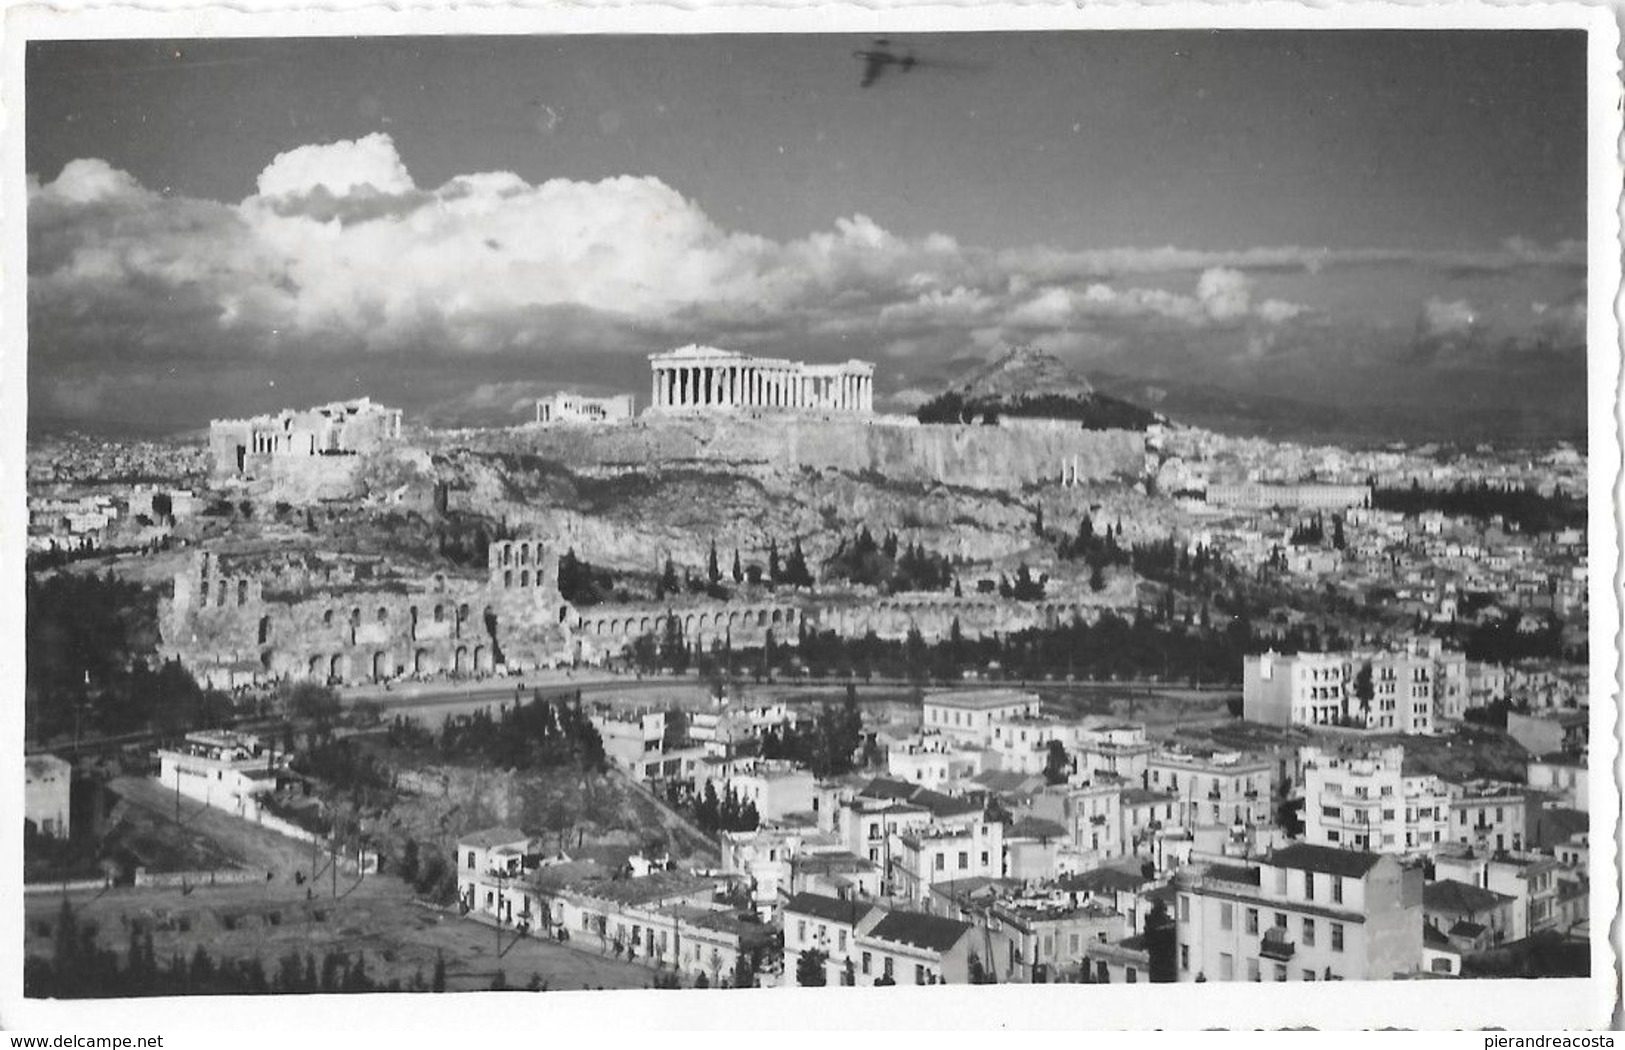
933	615
987	457
513	617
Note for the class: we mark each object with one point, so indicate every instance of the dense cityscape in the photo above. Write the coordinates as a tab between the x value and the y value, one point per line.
1188	708
531	514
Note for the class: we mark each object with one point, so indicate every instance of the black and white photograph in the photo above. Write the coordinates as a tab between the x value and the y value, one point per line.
790	510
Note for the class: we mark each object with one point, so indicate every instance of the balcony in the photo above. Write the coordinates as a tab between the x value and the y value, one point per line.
1275	945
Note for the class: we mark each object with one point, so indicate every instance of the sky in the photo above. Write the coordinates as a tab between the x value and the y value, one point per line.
1373	235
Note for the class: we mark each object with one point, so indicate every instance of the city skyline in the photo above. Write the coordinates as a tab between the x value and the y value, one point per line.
1226	227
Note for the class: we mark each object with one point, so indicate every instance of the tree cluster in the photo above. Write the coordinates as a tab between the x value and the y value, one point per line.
888	566
79	969
88	646
828	746
1524	508
539	734
725	813
582	584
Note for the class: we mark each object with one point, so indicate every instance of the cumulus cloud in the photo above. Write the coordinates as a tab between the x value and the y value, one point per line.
1225	294
339	168
340	252
1453	317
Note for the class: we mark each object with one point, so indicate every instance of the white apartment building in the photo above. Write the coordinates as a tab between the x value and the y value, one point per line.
815	922
1091	813
1366	802
1215	787
1322	689
969	715
1305	913
931	855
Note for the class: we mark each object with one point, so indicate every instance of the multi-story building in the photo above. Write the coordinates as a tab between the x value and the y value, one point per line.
639	742
1214	787
1472	917
223	769
1532	880
970	715
931	761
1366	802
1562	775
1091	813
1326	688
930	855
776	788
1117	749
816	922
1146	814
490	866
1304	913
907	947
1492	816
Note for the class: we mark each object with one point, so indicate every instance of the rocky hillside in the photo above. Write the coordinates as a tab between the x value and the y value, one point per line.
1026	382
1024	371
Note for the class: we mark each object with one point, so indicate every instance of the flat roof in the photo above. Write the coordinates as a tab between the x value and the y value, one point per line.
980	699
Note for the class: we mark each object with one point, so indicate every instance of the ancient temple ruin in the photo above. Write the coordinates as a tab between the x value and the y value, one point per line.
704	379
259	444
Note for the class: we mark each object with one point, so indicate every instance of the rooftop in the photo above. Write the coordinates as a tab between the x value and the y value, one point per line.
1103	880
980	699
830	909
490	838
656	886
919	930
1327	860
1460	898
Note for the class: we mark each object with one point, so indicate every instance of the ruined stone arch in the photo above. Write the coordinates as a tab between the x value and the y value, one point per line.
524	577
778	617
688	624
420	662
459	660
439	613
482	658
705	619
327	618
524	554
507	577
242	592
380	666
564	613
761	618
355	616
598	627
733	620
335	668
315	666
383	614
643	625
614	627
265	629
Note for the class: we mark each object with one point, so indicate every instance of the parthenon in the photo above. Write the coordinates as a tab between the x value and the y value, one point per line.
703	378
